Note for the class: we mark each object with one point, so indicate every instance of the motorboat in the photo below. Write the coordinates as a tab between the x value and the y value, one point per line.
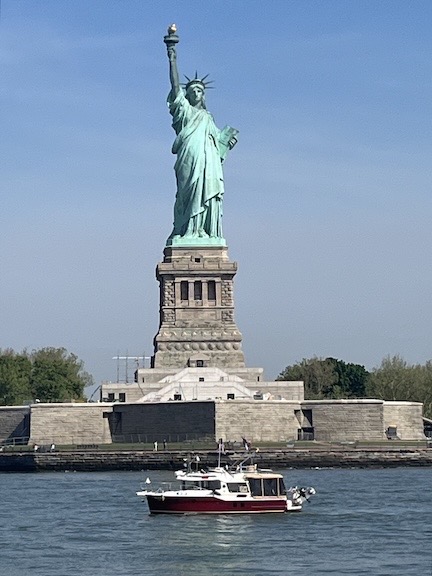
241	489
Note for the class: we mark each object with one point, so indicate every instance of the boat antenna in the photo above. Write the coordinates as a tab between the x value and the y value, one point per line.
246	457
221	449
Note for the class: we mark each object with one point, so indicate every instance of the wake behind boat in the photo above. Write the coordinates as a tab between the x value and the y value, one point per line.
243	489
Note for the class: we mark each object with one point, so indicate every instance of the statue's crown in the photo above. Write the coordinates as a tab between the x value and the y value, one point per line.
200	81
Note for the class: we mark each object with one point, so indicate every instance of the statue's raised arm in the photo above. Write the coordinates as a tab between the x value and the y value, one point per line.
171	39
201	149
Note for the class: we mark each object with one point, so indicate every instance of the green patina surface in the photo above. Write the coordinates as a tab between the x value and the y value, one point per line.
200	148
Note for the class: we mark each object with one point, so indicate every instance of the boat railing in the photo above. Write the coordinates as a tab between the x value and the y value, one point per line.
193	487
162	487
248	457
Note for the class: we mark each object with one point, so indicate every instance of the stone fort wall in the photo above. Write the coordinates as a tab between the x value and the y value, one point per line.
174	421
14	422
70	424
346	420
256	420
406	417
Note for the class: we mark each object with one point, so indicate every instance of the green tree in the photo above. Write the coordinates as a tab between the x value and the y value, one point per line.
328	378
57	376
317	374
48	374
392	380
352	379
15	372
395	379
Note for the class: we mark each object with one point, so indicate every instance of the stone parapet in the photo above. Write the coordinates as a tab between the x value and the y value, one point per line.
282	390
198	256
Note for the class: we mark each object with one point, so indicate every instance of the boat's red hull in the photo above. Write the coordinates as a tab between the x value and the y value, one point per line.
211	505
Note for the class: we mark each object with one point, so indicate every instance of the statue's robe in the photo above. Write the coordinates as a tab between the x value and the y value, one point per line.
198	168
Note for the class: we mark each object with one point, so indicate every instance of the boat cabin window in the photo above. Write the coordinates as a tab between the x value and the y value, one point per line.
190	485
255	486
267	486
212	485
237	487
270	486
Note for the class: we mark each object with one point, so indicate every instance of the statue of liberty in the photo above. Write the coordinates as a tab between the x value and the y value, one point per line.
201	149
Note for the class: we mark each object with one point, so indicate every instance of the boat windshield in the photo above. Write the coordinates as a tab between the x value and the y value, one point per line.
270	486
267	486
237	487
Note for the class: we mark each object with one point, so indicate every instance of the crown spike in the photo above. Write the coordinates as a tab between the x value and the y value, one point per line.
197	80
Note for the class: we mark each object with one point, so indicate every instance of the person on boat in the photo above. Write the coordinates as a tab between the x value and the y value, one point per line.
246	444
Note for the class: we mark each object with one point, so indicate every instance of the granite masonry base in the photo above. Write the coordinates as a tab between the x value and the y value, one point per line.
100	460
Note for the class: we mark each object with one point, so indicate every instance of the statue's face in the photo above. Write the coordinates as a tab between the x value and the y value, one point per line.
195	94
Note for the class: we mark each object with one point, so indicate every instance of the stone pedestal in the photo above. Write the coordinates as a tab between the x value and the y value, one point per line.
197	327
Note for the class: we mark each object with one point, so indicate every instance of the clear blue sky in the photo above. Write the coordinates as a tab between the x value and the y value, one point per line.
328	202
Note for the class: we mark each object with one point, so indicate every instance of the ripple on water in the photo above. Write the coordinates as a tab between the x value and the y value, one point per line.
360	522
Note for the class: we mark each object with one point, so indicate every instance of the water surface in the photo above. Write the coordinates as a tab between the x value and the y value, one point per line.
360	522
